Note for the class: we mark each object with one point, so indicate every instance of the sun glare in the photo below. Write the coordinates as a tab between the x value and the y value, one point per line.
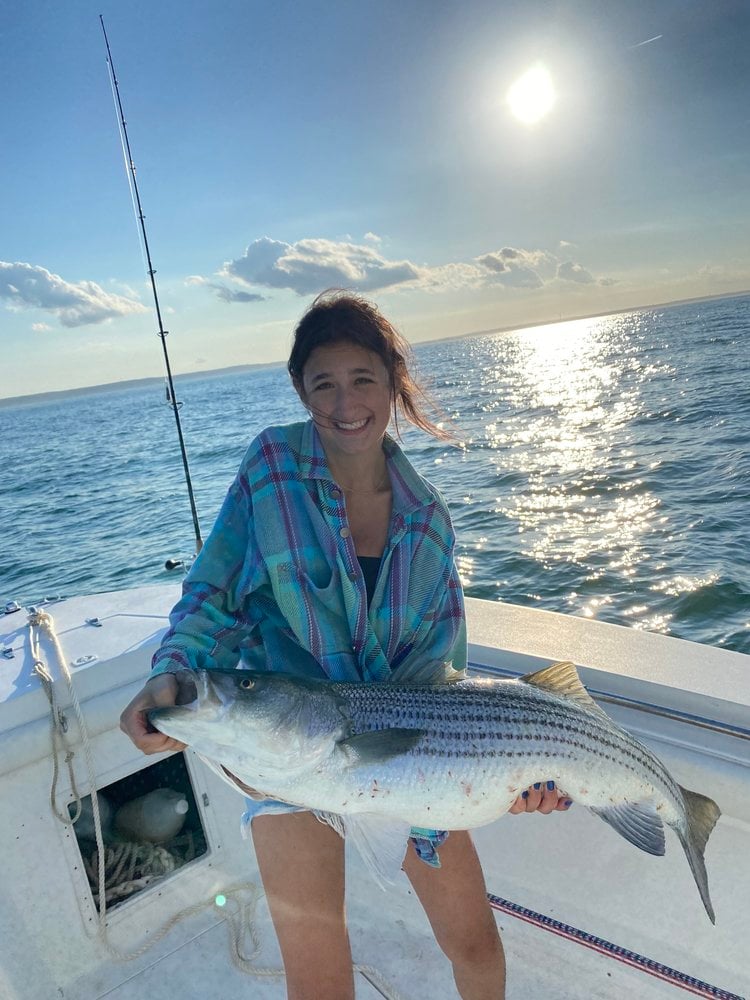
532	96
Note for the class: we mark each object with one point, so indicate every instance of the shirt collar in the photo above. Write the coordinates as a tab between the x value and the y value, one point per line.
410	490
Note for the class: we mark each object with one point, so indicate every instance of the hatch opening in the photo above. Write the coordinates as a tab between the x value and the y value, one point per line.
151	827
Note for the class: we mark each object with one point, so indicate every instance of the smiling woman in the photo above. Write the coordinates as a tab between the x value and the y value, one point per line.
532	96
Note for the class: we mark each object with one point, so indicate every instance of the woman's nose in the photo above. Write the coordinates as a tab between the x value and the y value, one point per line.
344	397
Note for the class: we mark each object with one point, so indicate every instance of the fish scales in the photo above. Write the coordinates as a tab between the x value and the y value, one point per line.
455	717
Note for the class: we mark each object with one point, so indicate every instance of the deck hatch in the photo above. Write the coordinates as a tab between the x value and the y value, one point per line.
152	827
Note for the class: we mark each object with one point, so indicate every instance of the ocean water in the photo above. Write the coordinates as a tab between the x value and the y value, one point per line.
604	471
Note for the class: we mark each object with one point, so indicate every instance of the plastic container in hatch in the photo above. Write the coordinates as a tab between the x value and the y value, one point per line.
157	816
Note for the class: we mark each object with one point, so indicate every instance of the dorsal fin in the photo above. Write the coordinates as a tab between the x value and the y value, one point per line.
562	679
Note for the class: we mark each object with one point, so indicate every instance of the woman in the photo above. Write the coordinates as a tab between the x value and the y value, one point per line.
334	558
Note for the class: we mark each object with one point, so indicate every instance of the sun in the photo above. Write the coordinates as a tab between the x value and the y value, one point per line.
532	96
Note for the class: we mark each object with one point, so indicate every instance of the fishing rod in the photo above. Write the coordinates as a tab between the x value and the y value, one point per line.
162	334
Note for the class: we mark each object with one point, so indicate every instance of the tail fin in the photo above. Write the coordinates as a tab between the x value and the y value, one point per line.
701	814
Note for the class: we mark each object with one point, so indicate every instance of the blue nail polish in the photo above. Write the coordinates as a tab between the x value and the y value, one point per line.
524	795
538	785
551	785
568	803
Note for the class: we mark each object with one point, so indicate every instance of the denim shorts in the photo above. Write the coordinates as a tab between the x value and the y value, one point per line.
426	842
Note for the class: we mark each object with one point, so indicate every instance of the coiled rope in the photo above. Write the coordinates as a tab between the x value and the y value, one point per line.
242	898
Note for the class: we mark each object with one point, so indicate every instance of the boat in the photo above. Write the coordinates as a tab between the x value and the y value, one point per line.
583	914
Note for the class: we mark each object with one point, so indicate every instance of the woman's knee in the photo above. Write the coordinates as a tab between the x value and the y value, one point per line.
478	945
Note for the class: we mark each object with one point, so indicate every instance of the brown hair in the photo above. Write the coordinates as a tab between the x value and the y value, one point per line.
338	315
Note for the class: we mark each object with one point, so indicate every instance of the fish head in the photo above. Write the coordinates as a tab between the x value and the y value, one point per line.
271	718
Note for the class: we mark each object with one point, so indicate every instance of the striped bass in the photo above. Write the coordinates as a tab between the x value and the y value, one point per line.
376	759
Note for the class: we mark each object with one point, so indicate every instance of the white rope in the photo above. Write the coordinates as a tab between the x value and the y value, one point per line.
244	895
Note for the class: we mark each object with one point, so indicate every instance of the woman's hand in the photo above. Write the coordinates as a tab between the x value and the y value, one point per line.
543	797
158	692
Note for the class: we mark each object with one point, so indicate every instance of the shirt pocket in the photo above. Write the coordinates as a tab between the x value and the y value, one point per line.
322	616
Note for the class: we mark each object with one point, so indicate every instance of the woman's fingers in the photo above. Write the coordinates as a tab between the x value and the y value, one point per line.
158	692
543	797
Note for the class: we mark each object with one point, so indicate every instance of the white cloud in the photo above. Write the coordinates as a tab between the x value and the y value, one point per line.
224	292
312	265
29	286
518	268
40	327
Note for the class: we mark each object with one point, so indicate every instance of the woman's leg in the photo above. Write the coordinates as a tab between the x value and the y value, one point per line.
454	898
301	862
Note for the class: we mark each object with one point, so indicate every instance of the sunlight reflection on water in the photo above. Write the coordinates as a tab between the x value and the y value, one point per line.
571	391
572	460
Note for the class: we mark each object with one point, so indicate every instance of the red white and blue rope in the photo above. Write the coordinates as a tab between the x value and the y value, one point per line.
681	979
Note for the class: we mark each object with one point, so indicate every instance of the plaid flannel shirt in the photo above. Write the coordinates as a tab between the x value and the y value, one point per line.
278	586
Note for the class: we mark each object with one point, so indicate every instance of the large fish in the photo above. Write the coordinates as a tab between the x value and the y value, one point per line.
377	759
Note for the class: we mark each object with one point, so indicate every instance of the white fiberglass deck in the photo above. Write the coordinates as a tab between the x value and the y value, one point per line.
565	872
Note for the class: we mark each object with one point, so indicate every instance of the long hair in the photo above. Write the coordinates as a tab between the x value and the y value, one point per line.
338	316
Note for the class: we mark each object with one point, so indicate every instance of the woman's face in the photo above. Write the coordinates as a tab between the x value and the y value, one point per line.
348	392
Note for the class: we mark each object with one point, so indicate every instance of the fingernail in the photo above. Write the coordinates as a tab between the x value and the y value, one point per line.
524	795
538	785
550	785
568	803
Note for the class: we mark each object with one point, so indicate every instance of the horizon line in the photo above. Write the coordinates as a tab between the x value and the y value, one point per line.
132	383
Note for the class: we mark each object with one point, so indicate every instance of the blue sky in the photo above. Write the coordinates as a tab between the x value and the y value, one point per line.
284	148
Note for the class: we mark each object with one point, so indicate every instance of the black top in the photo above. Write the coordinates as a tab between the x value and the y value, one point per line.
370	566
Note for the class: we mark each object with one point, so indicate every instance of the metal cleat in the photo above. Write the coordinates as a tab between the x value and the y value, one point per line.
83	660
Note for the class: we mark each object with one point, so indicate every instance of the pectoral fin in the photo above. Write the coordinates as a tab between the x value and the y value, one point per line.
379	746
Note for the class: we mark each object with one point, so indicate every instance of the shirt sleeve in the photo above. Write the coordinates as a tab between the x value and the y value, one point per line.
210	620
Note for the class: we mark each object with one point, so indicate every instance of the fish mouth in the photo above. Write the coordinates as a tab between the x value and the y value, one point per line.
172	712
209	699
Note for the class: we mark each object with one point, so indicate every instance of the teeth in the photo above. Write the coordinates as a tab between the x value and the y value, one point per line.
351	427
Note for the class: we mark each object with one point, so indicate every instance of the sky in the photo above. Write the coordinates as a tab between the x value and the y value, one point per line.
285	148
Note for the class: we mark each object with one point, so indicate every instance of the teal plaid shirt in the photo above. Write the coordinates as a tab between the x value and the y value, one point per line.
278	586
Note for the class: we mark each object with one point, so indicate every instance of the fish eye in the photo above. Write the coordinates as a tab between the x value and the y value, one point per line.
247	684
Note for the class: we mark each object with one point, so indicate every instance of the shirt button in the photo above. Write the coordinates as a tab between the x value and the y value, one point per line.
335	492
345	532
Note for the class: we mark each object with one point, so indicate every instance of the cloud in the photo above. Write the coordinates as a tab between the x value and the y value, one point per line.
29	286
493	262
569	271
312	265
223	292
518	268
40	327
